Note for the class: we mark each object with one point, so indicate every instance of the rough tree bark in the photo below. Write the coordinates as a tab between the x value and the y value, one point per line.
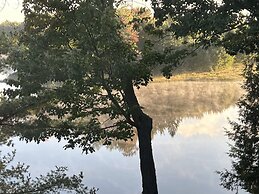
143	123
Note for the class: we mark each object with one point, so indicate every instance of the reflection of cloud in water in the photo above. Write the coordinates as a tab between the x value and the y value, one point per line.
209	124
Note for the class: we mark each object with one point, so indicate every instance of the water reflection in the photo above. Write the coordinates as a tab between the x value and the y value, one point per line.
195	113
172	103
169	101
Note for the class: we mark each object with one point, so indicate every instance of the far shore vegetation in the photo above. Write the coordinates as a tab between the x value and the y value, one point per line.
212	64
234	73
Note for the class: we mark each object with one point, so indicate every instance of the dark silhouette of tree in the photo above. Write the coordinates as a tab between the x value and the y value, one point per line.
245	136
234	25
16	178
73	68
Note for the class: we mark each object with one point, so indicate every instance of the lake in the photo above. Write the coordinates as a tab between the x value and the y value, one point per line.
189	143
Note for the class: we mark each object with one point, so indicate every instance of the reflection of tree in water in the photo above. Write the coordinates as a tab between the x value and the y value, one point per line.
188	99
128	148
170	102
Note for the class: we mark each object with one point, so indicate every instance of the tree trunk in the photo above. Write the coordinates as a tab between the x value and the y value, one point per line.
147	165
143	123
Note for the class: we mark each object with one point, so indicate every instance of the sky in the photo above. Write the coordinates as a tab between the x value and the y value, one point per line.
11	10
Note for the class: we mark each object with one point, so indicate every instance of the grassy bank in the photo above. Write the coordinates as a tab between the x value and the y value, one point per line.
230	74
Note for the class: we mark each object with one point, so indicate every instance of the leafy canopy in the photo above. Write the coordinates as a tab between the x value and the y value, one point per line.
73	65
234	25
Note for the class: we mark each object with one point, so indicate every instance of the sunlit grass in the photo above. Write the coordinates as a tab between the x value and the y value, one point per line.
230	74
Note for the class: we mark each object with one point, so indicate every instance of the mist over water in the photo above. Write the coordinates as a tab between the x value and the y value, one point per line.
189	144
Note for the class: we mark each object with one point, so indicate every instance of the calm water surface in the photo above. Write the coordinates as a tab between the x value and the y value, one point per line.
188	143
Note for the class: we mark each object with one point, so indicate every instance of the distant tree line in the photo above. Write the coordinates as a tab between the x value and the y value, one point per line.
213	58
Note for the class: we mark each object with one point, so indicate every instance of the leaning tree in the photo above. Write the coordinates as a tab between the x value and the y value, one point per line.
76	75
